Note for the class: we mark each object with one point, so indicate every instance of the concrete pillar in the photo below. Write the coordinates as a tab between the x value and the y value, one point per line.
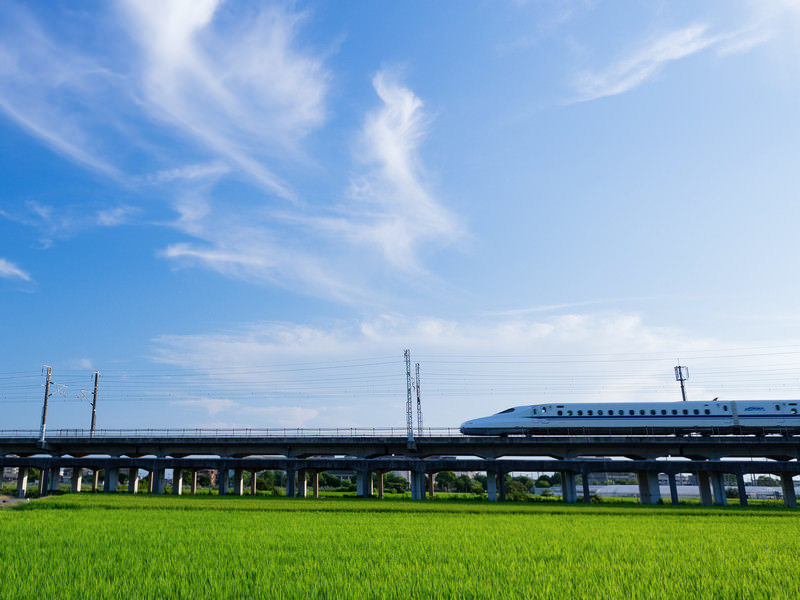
22	482
302	484
587	493
238	482
787	485
95	480
568	492
53	478
133	480
718	487
380	485
43	481
742	489
159	480
223	481
649	492
315	484
491	485
177	482
703	482
431	484
253	483
501	486
361	483
111	479
150	482
77	480
673	489
290	487
418	485
194	482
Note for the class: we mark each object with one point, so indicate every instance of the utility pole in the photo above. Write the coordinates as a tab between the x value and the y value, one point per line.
44	407
682	374
409	410
94	403
419	406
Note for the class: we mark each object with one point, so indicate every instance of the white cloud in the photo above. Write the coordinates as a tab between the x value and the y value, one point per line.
392	207
646	62
190	173
10	270
243	90
115	216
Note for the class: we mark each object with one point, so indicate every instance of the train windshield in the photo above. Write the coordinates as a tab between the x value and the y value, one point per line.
508	410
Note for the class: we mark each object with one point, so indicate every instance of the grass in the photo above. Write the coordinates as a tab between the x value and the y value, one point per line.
109	546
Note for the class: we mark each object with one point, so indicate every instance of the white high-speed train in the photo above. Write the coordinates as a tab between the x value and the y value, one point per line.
718	416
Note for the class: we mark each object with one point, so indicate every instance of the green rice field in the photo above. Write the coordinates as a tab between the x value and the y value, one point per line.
111	546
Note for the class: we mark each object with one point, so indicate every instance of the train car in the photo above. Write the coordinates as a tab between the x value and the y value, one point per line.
715	416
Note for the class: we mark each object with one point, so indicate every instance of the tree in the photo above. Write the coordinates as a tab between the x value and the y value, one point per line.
445	481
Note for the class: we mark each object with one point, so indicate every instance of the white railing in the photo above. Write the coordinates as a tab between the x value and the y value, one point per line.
334	432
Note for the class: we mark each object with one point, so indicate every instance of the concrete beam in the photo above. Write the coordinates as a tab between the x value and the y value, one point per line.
789	495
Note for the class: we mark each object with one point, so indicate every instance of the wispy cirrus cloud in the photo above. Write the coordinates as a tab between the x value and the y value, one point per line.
243	90
11	271
646	62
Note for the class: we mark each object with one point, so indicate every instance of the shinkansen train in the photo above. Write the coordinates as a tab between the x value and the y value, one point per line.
717	416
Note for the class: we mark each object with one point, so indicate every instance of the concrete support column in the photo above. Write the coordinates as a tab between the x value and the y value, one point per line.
501	486
361	483
238	482
649	492
43	481
302	484
587	493
491	485
177	482
418	485
111	479
431	482
673	489
22	482
194	482
703	482
53	479
133	480
380	485
718	487
290	487
159	477
315	484
742	489
787	485
223	481
568	492
95	480
253	483
77	480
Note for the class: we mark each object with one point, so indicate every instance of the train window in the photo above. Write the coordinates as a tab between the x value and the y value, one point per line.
599	412
697	412
503	412
652	411
663	412
725	407
580	413
641	412
674	412
544	409
686	412
708	412
561	412
777	407
569	412
589	412
794	411
534	411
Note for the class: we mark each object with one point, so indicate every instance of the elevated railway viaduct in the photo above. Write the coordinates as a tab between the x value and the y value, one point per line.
364	452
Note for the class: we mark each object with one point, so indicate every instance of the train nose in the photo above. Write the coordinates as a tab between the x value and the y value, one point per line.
467	426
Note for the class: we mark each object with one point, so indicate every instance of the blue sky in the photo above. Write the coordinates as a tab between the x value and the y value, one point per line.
241	213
